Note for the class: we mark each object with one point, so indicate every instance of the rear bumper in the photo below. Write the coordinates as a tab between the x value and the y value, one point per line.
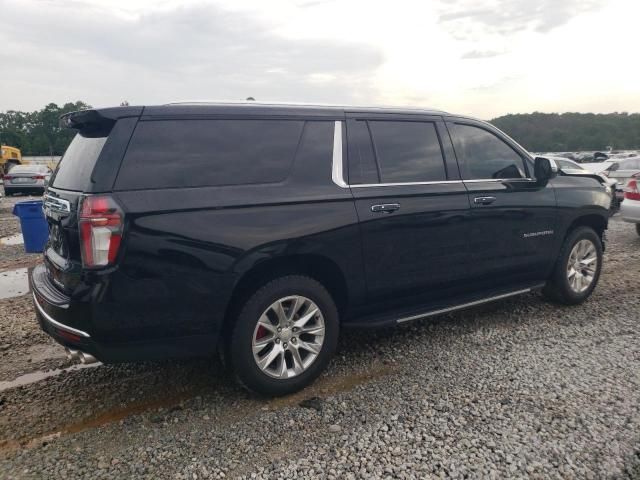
630	211
70	324
23	189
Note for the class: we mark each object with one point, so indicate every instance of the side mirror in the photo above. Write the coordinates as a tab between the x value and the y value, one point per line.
544	170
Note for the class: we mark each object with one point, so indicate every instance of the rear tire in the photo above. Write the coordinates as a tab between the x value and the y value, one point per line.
577	268
284	336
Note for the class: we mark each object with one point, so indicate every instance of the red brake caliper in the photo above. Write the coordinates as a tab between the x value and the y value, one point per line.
262	332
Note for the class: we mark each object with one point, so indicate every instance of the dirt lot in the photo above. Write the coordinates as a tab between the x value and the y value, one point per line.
516	388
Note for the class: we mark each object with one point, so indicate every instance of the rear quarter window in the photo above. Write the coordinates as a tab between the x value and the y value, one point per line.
77	163
198	153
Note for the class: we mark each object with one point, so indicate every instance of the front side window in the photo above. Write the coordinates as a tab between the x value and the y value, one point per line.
485	156
407	151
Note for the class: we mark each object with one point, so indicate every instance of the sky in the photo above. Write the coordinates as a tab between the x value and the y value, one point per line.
477	57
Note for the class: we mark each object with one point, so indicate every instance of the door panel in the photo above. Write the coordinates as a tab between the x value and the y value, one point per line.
513	218
418	250
513	236
413	225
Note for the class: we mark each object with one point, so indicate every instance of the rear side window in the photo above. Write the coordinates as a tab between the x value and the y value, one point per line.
407	151
485	156
197	153
77	163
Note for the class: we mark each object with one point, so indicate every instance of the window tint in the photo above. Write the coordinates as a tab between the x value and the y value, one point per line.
362	161
407	151
195	153
316	152
75	167
483	155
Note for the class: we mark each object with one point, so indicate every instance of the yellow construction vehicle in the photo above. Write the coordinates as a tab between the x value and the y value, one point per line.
9	156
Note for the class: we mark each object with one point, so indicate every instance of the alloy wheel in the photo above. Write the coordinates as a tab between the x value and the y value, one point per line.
582	265
288	337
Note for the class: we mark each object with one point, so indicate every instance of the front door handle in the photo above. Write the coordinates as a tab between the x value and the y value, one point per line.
385	207
484	200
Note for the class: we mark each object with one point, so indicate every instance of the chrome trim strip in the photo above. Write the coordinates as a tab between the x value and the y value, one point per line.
367	185
337	173
57	324
56	204
464	305
484	180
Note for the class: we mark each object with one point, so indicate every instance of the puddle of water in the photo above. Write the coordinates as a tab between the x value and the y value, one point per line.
12	240
34	377
14	283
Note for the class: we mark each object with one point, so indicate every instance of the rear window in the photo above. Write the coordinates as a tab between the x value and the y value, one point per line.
197	153
76	165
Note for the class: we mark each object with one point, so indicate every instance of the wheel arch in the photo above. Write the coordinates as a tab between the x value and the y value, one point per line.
318	267
591	220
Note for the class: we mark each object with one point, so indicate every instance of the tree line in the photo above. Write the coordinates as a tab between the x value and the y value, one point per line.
569	132
38	132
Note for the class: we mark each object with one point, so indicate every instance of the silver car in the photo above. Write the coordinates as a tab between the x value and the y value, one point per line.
26	179
623	170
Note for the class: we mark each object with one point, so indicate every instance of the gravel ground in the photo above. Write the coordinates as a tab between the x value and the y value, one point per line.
518	388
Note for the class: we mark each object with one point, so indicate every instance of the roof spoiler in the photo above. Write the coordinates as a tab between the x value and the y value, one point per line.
97	119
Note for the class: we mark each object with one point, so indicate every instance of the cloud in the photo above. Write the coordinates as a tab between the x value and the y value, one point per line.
476	54
200	51
504	17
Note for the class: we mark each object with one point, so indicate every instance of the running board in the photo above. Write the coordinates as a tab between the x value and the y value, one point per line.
465	305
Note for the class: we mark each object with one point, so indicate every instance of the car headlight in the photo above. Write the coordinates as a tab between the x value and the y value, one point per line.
607	189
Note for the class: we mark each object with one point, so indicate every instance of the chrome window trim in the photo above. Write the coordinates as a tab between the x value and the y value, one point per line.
57	324
495	180
337	171
437	182
464	305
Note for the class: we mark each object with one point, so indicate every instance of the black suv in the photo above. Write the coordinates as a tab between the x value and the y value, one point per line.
259	231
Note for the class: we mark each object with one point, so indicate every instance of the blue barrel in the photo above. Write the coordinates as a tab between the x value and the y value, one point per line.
35	230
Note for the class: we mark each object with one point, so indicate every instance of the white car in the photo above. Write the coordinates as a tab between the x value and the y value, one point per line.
623	170
630	208
569	167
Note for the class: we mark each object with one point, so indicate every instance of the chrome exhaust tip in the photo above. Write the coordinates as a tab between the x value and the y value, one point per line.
86	358
72	354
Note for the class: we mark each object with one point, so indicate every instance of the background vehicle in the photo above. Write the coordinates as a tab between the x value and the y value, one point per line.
9	157
569	166
623	170
631	211
262	230
26	179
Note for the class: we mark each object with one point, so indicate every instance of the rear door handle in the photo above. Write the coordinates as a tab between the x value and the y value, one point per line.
385	207
484	200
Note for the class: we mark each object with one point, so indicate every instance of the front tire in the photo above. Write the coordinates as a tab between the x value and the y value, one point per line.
284	336
577	268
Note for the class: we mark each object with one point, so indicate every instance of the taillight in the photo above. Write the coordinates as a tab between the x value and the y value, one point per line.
7	177
631	191
101	222
37	177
